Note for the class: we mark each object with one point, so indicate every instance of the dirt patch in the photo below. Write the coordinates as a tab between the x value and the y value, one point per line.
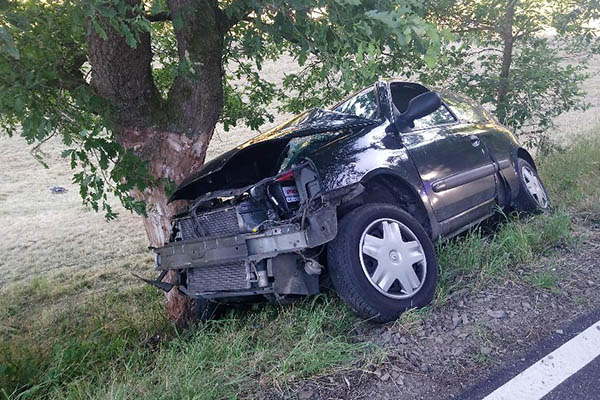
441	354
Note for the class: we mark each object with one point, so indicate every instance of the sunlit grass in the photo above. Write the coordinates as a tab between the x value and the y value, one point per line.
91	331
475	259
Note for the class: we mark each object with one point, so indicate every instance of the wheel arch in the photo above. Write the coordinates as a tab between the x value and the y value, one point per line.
387	186
524	154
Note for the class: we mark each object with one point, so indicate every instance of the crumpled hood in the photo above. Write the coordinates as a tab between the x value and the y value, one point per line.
308	123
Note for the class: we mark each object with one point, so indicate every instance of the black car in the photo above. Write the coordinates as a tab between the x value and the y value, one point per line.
353	196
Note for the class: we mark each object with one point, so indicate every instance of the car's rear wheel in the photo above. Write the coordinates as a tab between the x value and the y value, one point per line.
382	262
533	197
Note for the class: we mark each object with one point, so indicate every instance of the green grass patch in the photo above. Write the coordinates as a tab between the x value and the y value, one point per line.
544	279
44	346
471	261
411	319
238	354
62	339
107	348
572	176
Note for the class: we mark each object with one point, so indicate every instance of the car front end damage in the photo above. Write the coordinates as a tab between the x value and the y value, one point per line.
262	239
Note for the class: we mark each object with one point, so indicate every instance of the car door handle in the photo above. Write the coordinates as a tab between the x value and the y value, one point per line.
474	140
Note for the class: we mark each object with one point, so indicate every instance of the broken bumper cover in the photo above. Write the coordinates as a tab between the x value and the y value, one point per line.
253	247
229	266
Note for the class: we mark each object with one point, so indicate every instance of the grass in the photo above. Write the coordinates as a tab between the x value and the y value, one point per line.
226	358
573	176
104	349
411	319
478	258
545	279
74	324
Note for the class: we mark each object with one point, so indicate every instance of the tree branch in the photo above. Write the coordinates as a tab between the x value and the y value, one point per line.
195	98
475	52
122	75
234	13
160	17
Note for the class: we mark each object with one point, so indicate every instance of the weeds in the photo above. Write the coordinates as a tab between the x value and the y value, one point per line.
476	259
573	176
46	346
74	339
108	344
545	279
225	358
411	319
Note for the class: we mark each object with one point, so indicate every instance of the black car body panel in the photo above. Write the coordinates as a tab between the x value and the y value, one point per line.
261	211
271	142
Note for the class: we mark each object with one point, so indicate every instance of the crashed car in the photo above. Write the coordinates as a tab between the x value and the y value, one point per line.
352	196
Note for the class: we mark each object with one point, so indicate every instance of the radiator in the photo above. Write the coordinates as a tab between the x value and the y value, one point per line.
216	278
219	222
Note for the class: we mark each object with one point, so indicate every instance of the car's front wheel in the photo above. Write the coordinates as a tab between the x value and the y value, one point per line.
382	262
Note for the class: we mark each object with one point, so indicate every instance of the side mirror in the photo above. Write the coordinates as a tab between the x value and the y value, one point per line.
418	107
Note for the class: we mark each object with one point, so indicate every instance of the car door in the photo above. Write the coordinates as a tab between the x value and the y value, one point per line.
457	172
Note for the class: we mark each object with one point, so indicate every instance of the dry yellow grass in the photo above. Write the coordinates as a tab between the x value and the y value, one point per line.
52	235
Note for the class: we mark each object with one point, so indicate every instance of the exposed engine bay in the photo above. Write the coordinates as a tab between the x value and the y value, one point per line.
260	239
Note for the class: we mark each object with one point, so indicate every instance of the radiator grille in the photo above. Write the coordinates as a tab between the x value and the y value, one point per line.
216	278
220	222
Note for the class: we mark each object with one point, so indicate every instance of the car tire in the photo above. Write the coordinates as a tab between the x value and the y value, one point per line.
367	240
533	197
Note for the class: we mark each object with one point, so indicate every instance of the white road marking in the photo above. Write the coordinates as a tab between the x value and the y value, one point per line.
549	372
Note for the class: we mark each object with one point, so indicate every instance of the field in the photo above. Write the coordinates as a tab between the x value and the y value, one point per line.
74	322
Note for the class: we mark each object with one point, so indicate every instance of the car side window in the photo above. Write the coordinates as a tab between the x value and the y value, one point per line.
439	117
465	111
362	105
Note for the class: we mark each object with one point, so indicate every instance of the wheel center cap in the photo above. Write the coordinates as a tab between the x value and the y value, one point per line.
394	256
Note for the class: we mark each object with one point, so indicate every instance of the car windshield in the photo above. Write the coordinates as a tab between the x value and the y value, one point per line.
363	105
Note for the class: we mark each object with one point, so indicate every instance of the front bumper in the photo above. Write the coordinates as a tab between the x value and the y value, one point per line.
276	260
251	247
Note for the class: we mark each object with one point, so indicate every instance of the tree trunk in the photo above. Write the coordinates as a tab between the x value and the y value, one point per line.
171	156
171	134
508	39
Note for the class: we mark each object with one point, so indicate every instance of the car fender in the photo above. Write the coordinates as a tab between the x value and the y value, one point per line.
360	156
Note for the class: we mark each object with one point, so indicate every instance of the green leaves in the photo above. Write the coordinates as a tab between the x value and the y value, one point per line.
545	75
126	18
339	45
46	94
7	44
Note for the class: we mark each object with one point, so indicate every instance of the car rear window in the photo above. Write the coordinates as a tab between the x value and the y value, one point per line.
465	110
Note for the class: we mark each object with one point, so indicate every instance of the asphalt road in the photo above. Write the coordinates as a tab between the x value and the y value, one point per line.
565	366
584	384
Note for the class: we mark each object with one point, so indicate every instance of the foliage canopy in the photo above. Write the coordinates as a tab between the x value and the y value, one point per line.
45	70
48	85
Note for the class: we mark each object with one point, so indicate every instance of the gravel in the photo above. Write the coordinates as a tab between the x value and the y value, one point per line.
464	340
496	313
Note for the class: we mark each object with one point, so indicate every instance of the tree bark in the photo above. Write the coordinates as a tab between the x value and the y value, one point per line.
172	156
171	134
508	40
